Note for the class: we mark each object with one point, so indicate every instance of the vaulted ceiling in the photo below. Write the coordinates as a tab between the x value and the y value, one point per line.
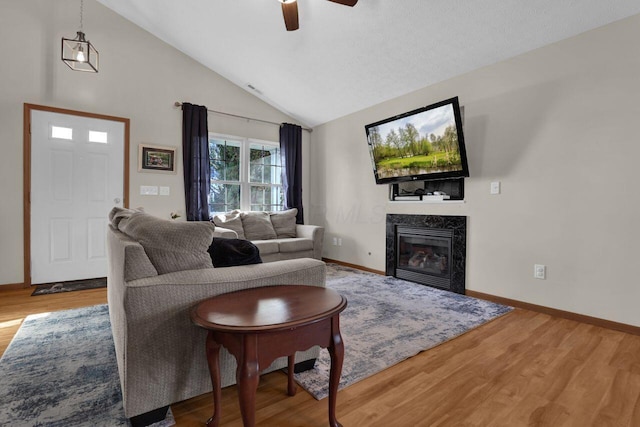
344	59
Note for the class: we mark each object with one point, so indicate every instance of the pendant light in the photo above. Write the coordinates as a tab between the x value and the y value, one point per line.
78	53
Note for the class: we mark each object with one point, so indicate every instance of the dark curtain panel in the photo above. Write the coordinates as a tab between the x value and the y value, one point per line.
291	156
195	157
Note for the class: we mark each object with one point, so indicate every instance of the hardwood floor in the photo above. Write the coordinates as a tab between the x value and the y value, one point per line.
523	369
17	304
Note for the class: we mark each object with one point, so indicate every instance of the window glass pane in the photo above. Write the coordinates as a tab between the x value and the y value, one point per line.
217	169
257	195
61	133
96	136
233	171
224	157
224	197
274	175
265	164
266	198
256	172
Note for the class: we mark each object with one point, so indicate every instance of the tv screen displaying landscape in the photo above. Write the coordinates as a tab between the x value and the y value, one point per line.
419	145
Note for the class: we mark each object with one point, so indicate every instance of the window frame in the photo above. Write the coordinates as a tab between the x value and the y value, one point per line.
245	167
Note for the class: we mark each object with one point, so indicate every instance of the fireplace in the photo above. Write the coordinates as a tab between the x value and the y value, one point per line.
427	249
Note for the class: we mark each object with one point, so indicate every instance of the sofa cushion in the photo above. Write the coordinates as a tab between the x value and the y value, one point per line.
267	246
257	226
284	223
230	220
170	245
230	252
295	245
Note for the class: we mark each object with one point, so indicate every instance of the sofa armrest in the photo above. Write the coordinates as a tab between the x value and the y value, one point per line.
315	233
225	233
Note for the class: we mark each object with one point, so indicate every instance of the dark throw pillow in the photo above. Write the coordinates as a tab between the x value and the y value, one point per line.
230	252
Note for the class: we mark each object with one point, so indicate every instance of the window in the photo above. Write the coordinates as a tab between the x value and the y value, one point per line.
99	137
245	174
60	132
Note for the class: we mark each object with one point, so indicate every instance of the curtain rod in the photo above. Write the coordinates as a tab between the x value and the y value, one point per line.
179	104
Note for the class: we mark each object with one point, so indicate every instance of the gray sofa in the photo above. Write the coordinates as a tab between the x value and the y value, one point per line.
158	270
276	234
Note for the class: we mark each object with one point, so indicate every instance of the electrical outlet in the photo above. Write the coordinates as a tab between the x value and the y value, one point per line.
540	271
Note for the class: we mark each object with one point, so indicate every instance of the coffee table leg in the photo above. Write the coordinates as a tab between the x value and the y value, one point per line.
336	351
291	384
213	353
248	377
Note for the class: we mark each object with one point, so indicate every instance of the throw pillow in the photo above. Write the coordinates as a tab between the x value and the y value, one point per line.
230	252
230	220
257	226
117	214
170	245
228	215
284	223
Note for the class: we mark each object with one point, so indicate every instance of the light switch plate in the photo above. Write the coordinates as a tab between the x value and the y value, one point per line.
495	187
148	190
165	191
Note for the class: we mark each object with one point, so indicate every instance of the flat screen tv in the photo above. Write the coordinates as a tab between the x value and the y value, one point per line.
423	144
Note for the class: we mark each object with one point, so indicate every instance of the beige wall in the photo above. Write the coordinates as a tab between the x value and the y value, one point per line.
559	128
140	78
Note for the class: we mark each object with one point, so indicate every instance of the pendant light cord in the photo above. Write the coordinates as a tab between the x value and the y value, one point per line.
81	10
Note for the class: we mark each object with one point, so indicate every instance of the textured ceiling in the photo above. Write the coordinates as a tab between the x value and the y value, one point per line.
345	59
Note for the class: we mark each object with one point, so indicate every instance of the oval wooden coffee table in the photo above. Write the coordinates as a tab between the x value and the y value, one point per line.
261	324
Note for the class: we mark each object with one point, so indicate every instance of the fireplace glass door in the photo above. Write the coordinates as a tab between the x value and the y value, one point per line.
424	255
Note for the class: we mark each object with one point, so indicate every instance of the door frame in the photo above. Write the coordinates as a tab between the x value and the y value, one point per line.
26	177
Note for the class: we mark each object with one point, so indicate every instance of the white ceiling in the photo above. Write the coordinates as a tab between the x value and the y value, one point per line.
344	59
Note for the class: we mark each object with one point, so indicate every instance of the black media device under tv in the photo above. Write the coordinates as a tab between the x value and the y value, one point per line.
420	145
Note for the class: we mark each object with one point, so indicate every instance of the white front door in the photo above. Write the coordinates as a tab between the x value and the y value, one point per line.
76	178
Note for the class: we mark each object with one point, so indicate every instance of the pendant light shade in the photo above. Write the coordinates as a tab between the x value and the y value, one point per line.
78	53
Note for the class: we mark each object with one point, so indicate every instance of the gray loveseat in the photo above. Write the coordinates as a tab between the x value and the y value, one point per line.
158	270
276	234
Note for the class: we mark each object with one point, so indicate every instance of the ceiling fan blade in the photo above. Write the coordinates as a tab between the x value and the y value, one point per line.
290	14
346	2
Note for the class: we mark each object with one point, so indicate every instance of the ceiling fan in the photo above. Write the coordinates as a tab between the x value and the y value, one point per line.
290	11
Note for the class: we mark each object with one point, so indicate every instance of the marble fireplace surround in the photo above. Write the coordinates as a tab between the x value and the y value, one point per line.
458	224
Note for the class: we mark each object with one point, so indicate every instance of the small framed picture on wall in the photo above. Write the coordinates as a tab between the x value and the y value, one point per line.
156	158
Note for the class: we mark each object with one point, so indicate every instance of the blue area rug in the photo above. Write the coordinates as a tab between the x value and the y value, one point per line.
388	320
60	370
